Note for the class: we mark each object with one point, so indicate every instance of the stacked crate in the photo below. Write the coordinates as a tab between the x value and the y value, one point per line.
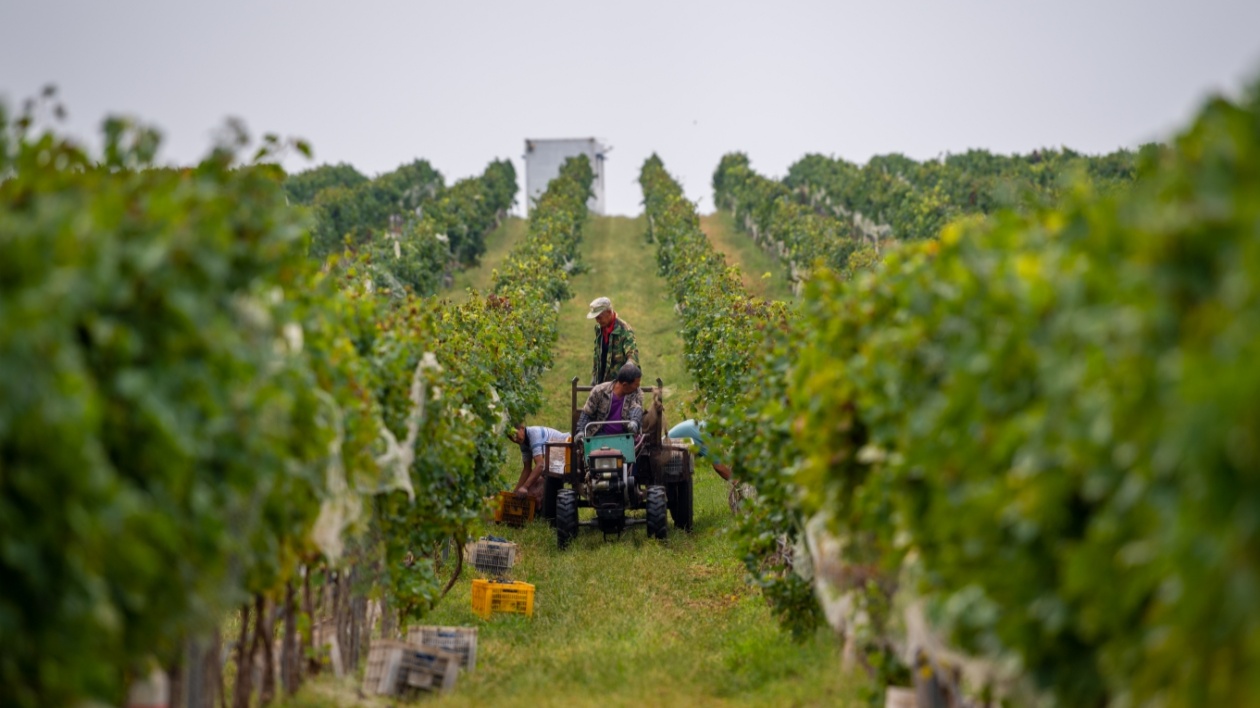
492	557
407	670
495	558
460	641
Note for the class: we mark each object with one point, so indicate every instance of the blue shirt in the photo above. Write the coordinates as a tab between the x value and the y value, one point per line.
691	429
536	439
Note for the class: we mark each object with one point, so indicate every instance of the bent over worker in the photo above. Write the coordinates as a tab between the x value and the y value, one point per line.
615	344
695	431
533	443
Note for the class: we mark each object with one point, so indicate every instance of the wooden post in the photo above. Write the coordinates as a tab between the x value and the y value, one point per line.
266	637
289	675
312	665
244	670
573	409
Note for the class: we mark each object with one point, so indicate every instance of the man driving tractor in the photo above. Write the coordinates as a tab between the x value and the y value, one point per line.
617	469
618	399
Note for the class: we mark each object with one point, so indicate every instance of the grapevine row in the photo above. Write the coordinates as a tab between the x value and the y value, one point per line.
195	416
412	227
727	336
1020	454
836	214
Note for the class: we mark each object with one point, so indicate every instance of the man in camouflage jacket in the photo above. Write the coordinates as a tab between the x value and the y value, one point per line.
614	342
616	400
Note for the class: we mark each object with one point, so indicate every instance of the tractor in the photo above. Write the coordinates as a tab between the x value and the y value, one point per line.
617	476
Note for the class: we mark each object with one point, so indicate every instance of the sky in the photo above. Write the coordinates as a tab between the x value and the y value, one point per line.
380	83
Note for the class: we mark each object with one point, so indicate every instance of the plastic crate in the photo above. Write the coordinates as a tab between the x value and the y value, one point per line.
408	670
514	510
489	596
494	558
460	641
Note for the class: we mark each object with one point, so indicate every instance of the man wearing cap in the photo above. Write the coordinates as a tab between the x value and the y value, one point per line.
614	342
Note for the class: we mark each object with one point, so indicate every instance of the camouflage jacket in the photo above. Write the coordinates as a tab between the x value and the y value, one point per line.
621	348
599	402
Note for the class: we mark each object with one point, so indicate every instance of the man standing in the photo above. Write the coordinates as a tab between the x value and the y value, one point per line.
614	342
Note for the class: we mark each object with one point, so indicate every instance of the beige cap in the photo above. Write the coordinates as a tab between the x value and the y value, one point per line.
598	305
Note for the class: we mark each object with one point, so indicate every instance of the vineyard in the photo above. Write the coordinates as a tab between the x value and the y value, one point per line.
991	418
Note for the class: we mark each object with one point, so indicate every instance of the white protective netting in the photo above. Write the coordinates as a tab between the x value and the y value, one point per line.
839	587
343	506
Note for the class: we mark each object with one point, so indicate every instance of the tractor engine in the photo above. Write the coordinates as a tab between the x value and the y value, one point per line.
610	489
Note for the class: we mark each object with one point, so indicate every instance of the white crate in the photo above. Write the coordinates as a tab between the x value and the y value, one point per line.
460	641
494	558
408	670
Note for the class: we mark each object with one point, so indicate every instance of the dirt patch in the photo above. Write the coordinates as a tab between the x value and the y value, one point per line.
716	603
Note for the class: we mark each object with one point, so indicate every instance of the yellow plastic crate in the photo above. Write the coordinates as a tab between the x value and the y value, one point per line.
489	596
514	510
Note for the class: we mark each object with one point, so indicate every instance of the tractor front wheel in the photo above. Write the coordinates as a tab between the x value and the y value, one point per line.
657	510
566	517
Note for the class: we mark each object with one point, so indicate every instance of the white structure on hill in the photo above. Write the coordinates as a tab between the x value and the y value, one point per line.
542	164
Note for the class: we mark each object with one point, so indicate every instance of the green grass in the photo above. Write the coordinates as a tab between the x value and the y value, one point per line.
627	621
764	276
620	265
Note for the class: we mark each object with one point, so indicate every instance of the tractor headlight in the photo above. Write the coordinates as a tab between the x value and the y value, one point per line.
607	463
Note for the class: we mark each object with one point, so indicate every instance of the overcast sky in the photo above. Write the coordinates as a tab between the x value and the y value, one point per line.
377	84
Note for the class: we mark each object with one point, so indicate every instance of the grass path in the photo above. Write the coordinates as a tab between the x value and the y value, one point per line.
628	622
498	243
764	276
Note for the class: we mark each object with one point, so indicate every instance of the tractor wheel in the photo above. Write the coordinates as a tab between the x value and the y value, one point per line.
566	517
551	487
680	504
657	508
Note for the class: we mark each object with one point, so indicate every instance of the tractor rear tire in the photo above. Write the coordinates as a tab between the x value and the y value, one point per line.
566	517
657	510
681	505
551	487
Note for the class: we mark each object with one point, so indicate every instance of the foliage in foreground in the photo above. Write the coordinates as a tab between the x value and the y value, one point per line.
191	413
163	434
1043	422
1034	433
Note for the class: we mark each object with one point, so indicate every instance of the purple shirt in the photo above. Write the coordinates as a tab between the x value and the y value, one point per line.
614	413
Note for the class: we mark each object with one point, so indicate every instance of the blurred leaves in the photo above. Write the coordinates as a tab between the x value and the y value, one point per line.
1059	396
184	392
